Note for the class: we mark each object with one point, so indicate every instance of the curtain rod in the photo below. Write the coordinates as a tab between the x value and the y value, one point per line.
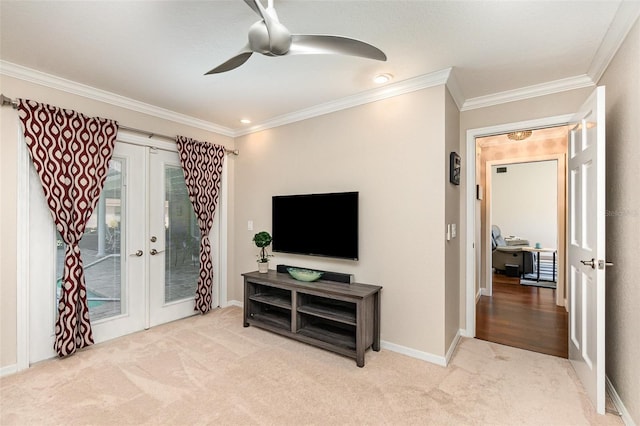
5	101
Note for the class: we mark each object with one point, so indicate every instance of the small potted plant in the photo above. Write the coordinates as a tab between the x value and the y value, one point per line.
262	240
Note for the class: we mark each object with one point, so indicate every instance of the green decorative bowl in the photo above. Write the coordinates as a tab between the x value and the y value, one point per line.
307	275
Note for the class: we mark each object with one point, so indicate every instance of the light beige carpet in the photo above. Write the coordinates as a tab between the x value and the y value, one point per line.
210	370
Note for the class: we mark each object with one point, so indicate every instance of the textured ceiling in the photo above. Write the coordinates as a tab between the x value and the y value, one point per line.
156	52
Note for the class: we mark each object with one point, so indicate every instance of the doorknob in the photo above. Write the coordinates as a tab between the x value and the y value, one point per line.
602	264
153	252
154	239
591	263
138	253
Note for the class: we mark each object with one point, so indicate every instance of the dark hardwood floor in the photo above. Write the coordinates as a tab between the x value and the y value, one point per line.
523	317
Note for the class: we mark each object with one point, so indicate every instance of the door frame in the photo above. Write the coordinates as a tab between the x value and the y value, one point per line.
22	249
471	205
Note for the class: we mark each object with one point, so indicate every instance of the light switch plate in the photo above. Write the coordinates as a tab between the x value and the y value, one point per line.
250	225
454	230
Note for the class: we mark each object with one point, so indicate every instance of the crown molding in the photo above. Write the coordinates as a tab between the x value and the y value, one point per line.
556	86
626	16
33	76
406	86
454	90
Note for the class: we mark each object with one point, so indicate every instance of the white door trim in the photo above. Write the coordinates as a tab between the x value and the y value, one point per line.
470	197
22	251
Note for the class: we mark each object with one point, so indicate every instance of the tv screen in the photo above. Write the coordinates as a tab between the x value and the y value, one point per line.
316	224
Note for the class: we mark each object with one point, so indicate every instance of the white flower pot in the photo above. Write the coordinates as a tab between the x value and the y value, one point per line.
263	267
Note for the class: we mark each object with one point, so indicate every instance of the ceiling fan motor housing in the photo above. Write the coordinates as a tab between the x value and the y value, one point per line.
274	43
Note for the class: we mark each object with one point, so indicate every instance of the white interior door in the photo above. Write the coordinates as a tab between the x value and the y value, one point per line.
587	247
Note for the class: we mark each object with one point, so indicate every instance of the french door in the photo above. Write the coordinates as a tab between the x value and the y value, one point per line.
140	250
174	242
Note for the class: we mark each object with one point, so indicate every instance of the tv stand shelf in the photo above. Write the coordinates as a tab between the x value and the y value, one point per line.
343	318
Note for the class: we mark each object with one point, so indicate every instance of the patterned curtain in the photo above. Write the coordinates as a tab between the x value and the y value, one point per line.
202	166
71	154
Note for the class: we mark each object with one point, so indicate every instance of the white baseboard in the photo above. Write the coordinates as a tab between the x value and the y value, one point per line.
413	353
624	414
452	347
233	303
484	292
465	333
8	369
478	294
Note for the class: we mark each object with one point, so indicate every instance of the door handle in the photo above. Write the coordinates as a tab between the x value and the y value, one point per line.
602	264
138	253
153	252
591	263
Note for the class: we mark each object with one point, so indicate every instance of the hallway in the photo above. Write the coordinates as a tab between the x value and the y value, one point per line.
522	317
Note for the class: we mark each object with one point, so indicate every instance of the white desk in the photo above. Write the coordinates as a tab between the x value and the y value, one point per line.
542	250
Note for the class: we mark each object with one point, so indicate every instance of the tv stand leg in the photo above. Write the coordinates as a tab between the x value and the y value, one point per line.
360	336
376	322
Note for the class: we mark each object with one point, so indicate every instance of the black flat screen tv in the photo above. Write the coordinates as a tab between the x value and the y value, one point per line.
316	224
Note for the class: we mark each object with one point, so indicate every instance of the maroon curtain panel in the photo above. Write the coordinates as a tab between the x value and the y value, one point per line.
202	165
71	153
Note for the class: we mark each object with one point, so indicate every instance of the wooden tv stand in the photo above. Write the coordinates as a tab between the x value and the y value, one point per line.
343	318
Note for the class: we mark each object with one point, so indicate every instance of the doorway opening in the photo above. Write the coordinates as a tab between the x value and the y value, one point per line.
583	268
522	207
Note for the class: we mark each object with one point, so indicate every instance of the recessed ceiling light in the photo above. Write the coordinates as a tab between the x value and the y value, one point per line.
382	78
245	121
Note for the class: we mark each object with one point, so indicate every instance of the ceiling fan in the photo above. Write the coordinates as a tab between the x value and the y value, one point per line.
269	37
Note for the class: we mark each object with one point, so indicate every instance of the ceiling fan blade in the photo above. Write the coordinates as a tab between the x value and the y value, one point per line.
253	5
232	63
328	44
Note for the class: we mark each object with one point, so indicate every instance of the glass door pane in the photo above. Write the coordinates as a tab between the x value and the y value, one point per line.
174	242
182	238
101	249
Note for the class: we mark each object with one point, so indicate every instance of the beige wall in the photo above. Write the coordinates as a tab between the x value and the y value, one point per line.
8	184
8	188
393	152
453	298
524	201
622	81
